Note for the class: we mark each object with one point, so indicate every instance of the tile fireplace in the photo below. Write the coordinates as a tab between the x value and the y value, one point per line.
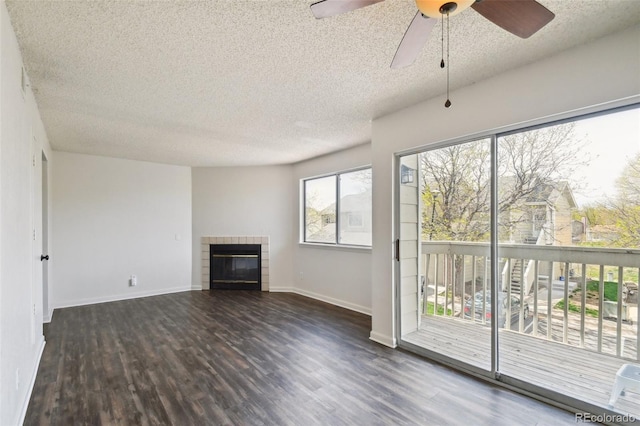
235	263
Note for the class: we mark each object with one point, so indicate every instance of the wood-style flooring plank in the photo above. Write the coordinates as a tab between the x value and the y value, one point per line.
250	358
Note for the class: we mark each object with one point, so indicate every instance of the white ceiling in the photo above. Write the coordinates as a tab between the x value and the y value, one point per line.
256	82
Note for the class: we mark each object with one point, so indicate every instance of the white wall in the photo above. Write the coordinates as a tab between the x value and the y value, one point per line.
341	276
245	201
21	135
113	218
590	75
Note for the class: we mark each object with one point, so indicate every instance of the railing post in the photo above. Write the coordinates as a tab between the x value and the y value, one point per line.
549	301
462	287
521	314
435	280
565	322
425	290
619	321
435	283
507	321
536	269
638	321
484	292
600	307
474	271
453	285
446	282
583	302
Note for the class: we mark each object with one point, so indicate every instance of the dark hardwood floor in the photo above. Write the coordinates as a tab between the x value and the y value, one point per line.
250	358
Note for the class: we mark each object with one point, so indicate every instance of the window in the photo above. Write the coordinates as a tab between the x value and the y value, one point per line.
407	174
337	208
355	220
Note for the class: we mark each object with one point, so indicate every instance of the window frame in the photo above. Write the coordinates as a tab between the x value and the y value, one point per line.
303	209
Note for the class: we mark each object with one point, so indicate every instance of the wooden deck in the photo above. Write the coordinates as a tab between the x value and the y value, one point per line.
579	373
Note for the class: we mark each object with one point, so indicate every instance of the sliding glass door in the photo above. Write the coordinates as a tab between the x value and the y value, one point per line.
518	258
444	244
568	210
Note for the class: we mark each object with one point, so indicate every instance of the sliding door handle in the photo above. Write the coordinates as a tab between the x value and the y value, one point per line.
397	249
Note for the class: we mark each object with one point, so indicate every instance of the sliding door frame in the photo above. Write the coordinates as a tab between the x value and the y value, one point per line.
493	375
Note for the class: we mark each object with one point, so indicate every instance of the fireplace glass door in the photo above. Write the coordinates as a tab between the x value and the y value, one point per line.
235	266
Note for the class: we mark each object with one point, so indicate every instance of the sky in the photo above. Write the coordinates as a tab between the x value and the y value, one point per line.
611	140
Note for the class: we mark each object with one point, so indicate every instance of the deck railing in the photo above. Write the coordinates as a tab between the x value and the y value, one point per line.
580	296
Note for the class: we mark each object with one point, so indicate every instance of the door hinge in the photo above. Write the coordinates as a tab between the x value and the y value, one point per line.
33	160
34	235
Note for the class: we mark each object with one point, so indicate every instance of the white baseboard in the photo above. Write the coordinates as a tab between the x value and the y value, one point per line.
196	287
48	316
96	300
323	298
383	339
282	290
32	382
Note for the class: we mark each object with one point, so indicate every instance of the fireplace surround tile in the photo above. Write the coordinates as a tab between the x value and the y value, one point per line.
241	239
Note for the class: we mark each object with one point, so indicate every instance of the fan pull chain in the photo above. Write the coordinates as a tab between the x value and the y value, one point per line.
442	42
447	104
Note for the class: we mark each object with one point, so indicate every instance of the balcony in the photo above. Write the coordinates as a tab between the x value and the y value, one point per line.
560	332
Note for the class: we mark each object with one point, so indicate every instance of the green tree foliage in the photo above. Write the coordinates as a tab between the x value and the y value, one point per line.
626	205
619	215
597	214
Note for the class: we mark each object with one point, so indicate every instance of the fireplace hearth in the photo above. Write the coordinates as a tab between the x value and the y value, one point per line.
235	266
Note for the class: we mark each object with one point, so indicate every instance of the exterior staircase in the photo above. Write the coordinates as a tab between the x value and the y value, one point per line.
516	276
517	268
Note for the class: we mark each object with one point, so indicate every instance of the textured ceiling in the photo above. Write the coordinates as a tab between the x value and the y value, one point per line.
251	82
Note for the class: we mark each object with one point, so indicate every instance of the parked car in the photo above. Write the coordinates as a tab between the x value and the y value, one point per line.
502	308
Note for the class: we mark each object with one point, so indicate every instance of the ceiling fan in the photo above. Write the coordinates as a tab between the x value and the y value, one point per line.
520	17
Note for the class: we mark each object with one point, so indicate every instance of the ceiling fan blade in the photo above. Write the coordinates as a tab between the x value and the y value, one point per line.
520	17
413	41
327	8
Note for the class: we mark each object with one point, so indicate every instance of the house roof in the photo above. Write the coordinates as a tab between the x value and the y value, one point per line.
248	82
548	193
351	203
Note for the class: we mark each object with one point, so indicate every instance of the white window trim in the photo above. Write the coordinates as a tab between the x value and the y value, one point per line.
303	219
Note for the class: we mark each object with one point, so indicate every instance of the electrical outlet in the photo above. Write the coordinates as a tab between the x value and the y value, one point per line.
133	281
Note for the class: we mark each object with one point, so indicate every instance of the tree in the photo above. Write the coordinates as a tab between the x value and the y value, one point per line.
625	206
596	214
456	192
456	181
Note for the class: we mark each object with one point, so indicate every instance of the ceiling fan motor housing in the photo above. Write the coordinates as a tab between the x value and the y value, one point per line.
437	8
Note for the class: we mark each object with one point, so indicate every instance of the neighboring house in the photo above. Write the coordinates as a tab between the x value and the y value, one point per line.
355	221
545	217
584	232
602	233
355	218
